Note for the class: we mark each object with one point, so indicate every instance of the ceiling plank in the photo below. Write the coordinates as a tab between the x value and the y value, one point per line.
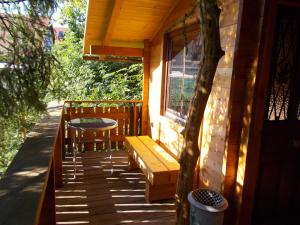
112	21
163	21
118	51
178	11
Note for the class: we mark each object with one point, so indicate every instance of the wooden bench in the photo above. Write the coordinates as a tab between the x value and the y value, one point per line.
159	167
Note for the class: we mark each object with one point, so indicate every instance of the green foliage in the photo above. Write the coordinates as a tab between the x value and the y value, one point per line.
73	14
11	136
125	83
77	79
10	141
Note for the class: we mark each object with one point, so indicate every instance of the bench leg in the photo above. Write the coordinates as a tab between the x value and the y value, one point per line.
159	192
132	164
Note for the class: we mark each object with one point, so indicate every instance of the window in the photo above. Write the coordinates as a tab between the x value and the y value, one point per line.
182	68
61	35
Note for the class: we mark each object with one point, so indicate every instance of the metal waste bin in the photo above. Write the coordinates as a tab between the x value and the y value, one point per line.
206	207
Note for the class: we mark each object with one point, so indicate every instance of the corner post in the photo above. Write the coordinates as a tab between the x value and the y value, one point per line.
145	111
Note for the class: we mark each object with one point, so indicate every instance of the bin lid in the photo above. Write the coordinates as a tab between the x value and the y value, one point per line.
208	200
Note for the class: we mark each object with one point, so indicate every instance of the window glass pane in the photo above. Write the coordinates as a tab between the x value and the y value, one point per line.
174	103
192	60
175	75
183	68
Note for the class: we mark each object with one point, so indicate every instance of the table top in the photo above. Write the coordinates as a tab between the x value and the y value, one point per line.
92	124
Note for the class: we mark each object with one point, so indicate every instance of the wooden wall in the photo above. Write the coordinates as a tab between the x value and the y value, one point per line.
166	131
214	128
163	129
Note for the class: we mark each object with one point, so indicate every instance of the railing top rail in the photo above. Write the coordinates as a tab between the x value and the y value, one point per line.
23	186
104	101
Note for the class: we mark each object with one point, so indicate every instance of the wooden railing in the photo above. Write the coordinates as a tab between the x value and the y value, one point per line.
126	112
27	191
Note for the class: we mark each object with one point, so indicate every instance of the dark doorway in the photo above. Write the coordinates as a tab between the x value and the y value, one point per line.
277	196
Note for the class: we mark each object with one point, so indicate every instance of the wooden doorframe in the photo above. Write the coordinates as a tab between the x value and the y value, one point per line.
244	67
259	105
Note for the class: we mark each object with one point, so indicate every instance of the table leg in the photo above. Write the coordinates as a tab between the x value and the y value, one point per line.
109	142
74	152
110	153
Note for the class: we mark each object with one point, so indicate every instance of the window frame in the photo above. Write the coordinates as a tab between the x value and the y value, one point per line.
167	54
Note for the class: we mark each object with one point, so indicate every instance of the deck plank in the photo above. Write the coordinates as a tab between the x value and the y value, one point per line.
101	196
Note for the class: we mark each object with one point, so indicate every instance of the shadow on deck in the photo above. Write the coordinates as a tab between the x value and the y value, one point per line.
105	192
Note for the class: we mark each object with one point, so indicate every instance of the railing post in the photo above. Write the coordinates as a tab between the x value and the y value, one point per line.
47	213
58	158
134	119
63	134
145	115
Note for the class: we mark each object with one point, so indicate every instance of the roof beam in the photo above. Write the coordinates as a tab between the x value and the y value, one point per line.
109	59
118	51
89	57
112	21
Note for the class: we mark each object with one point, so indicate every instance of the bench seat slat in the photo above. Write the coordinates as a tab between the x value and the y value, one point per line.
152	168
164	157
152	160
160	153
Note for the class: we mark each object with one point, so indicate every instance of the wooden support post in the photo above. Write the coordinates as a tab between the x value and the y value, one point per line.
57	159
134	119
47	215
145	110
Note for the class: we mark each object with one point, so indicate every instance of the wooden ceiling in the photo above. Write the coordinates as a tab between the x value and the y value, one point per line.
119	27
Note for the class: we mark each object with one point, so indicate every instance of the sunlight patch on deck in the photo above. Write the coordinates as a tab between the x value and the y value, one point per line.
73	212
144	204
127	196
147	211
73	205
73	222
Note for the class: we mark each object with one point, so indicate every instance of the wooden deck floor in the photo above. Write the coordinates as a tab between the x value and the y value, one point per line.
103	196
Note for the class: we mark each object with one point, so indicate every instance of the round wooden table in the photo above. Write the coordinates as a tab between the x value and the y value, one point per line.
90	124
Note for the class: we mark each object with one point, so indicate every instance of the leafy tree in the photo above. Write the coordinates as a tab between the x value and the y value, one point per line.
24	55
73	14
25	69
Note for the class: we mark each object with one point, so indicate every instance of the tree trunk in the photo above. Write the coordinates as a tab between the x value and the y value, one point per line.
211	53
24	134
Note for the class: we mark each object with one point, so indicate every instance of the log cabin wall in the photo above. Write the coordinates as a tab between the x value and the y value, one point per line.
165	130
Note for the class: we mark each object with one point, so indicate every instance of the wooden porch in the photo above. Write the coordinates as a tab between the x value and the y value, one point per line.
105	192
